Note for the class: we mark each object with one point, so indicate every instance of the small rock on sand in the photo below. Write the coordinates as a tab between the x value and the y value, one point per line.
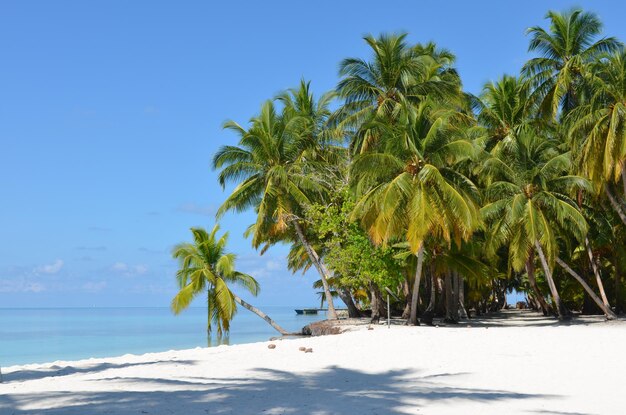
271	346
302	348
309	350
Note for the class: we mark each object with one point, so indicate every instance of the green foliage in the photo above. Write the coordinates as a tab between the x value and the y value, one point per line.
205	268
409	165
355	260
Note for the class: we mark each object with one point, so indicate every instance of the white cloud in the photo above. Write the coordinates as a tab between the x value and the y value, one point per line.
265	269
120	266
34	287
20	285
53	268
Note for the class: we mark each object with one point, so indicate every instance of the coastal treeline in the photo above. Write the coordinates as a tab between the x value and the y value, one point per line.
399	181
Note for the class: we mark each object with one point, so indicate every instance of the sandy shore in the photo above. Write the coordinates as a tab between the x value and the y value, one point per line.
501	365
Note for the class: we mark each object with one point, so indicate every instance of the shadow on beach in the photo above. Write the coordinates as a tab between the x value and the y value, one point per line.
56	371
507	318
333	390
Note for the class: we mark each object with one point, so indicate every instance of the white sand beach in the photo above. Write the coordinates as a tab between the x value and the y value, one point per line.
500	365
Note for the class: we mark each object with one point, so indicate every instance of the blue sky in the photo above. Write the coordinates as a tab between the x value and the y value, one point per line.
110	112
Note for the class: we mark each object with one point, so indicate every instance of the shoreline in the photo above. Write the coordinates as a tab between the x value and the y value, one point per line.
350	325
495	366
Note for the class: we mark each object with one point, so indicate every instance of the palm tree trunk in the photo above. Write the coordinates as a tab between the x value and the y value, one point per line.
596	272
321	268
610	315
530	270
346	297
455	295
461	285
374	304
449	298
261	314
208	316
416	286
562	311
407	295
429	314
618	287
615	204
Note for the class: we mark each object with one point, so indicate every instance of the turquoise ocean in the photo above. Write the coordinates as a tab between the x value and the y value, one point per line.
40	335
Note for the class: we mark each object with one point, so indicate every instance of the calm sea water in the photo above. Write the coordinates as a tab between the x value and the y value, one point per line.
39	335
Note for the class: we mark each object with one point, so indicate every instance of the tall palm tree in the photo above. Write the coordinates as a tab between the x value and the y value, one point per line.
503	109
600	125
274	165
388	87
204	266
409	190
528	203
565	49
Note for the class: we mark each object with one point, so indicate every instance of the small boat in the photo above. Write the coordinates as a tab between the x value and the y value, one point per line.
306	311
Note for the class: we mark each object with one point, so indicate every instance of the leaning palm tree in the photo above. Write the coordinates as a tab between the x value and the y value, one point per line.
272	166
205	267
565	49
528	203
409	189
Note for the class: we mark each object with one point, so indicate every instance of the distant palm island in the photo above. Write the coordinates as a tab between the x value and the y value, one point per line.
410	196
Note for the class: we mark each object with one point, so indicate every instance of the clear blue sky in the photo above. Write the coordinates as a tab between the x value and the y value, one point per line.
110	112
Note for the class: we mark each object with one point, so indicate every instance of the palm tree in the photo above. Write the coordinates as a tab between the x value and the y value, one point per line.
503	109
388	87
528	204
600	125
409	190
204	266
272	166
570	44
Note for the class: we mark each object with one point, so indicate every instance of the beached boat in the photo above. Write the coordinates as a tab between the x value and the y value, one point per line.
306	311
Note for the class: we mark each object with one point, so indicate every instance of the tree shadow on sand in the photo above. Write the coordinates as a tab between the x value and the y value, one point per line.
333	390
57	371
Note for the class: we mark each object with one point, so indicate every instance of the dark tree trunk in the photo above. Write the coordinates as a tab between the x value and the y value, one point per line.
530	270
374	304
321	269
618	288
440	304
429	314
382	304
346	297
450	317
416	286
615	204
596	273
610	315
562	311
462	310
455	295
406	313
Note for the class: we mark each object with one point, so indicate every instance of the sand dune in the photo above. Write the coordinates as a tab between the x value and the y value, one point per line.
501	365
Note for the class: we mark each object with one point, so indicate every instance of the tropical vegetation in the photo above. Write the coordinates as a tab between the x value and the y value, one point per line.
401	181
205	268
